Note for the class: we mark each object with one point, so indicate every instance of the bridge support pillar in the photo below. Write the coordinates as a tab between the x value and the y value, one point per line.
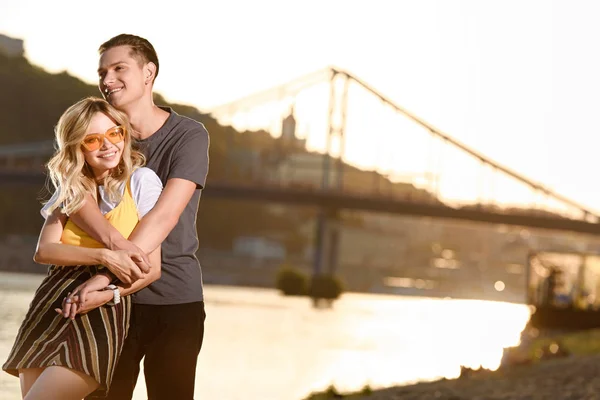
334	240
319	243
326	243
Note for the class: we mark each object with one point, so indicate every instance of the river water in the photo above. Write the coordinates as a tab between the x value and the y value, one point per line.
261	345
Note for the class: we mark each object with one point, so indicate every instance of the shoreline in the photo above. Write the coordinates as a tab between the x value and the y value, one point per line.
576	377
19	280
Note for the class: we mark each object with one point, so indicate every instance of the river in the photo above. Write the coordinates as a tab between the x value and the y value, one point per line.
261	345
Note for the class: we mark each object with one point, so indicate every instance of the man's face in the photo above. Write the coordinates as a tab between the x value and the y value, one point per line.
121	77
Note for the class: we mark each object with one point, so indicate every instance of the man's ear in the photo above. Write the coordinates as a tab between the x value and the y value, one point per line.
149	72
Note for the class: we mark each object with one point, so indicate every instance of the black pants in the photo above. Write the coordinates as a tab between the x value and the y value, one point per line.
170	337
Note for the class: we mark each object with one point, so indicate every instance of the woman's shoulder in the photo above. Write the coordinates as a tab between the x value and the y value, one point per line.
146	188
45	211
144	174
144	179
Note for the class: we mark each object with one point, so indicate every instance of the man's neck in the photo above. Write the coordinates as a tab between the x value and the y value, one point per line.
146	119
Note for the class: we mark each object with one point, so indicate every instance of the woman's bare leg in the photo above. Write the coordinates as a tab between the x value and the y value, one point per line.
61	383
28	376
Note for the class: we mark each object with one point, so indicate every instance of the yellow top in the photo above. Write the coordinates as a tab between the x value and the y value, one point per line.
124	217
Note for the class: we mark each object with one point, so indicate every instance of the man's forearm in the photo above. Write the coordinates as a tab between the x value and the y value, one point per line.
136	286
152	230
90	219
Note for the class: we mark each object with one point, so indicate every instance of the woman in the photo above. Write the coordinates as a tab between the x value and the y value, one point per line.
69	358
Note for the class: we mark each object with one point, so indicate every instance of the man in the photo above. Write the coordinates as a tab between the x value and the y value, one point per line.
167	323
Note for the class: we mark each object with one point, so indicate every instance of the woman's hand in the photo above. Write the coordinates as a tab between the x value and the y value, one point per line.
97	282
77	300
95	299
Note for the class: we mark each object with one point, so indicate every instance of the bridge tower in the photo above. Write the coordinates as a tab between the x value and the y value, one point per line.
327	235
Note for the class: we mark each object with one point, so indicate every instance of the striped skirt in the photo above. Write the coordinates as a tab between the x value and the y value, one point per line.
91	343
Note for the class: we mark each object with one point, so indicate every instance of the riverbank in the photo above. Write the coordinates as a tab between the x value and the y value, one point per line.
571	373
570	378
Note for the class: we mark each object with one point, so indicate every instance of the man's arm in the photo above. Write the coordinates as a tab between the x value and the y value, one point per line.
158	223
189	168
90	219
91	294
154	275
187	172
152	230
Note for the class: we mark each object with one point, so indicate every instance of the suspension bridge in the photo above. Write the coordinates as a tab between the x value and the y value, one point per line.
336	143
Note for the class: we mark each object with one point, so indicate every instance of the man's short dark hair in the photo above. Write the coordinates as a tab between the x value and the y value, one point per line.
140	48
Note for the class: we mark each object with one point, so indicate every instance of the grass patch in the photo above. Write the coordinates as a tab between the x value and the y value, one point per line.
332	393
578	343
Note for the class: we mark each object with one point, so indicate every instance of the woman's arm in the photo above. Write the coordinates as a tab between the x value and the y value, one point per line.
51	251
91	294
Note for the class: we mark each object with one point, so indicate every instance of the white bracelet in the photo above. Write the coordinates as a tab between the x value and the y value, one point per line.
116	294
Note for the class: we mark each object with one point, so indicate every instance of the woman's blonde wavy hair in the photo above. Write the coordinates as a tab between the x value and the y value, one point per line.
69	173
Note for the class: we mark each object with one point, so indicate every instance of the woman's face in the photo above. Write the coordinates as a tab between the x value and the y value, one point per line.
108	153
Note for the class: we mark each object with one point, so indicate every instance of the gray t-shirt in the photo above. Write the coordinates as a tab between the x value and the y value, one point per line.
179	149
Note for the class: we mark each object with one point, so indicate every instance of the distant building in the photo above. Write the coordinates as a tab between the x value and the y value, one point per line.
288	133
288	127
11	47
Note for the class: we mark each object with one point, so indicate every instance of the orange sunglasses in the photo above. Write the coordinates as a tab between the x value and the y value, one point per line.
96	140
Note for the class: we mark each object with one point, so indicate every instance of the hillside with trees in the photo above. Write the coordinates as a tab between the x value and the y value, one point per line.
32	101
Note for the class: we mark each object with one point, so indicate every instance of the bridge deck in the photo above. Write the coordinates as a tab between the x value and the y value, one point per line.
335	200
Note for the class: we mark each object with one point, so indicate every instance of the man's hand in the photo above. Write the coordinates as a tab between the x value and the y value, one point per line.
124	244
94	300
127	265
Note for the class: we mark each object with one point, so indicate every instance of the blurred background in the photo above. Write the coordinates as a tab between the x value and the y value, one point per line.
401	160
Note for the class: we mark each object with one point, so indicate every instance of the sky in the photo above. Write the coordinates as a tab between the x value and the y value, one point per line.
516	80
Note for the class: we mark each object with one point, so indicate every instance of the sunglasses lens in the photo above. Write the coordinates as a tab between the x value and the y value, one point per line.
92	142
115	135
